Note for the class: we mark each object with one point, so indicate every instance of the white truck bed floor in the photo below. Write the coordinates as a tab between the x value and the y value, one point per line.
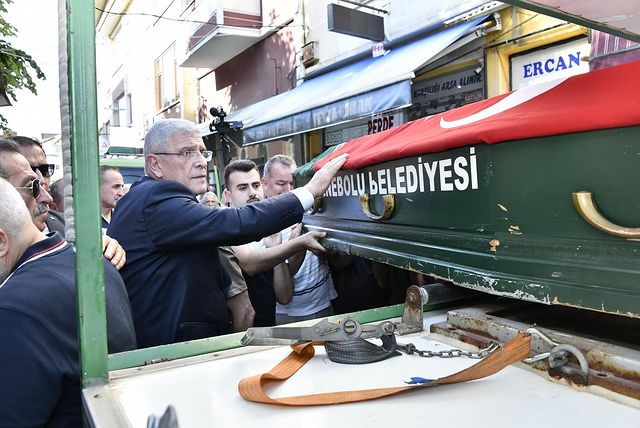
204	392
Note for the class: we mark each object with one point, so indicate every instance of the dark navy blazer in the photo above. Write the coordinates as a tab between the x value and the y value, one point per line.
40	375
173	273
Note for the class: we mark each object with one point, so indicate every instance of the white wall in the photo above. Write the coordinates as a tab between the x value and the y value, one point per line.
404	17
130	55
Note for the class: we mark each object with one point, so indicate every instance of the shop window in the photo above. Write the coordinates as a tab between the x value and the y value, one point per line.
165	76
260	153
122	115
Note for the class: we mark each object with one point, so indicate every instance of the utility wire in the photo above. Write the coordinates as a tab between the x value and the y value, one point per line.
508	30
194	21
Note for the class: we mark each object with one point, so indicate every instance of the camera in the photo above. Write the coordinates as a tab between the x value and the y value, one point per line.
219	125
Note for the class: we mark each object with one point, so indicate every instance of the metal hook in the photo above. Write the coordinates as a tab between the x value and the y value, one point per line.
558	360
545	338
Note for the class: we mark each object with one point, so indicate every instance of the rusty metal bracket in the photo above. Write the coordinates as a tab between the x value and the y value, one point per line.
411	322
610	363
418	296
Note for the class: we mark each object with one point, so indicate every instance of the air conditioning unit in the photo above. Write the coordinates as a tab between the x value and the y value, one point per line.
309	54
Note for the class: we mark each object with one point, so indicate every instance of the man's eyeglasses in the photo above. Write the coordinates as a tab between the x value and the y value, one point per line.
46	169
34	188
190	154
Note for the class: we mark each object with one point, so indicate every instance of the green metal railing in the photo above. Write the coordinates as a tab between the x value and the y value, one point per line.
92	323
192	348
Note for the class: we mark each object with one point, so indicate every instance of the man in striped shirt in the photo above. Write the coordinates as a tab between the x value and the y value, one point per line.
313	285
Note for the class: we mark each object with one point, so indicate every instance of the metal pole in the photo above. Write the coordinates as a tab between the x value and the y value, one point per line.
92	324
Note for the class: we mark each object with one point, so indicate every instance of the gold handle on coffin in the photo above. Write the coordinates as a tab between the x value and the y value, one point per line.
389	206
317	204
583	202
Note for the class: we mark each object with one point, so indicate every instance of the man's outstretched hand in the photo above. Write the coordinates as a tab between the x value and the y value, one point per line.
321	180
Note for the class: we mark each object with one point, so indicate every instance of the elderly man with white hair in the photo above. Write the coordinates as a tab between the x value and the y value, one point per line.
171	240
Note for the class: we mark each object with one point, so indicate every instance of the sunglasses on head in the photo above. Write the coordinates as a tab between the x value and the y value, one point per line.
46	169
34	188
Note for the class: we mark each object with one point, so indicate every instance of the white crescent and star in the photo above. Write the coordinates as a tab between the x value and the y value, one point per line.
512	100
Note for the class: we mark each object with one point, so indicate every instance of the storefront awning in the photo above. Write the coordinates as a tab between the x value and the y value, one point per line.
357	90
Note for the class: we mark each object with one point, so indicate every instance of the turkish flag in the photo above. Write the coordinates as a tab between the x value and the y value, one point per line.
607	98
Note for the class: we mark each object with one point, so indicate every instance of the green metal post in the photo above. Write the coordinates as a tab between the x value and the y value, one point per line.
86	202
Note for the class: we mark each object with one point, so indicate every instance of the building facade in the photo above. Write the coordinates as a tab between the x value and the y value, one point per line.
305	75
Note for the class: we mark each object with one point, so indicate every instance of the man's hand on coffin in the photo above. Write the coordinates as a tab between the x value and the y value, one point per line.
113	251
311	241
321	180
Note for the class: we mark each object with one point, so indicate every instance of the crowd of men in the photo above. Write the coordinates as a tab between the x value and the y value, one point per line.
40	375
176	268
164	279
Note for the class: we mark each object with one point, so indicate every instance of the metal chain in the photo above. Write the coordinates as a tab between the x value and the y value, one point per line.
410	349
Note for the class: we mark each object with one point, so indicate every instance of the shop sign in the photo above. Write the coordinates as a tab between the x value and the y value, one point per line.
446	92
554	62
361	127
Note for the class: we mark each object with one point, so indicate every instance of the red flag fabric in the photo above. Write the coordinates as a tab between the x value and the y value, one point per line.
607	98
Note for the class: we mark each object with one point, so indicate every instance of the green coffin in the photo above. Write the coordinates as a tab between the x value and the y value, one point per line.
500	217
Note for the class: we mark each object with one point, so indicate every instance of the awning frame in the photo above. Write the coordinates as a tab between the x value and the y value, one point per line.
556	13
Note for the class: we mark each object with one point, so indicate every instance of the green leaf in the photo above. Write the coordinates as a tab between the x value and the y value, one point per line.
16	66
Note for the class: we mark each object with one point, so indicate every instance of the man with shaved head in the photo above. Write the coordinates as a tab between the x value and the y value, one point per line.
40	376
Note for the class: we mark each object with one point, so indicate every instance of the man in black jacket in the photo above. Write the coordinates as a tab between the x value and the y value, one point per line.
173	273
40	376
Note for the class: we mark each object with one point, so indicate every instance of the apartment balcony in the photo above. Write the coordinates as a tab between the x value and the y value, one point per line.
217	30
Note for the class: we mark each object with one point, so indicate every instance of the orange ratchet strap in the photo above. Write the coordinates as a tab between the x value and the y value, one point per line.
252	388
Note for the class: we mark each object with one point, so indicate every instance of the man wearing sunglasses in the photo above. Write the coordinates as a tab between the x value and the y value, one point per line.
34	152
38	319
15	168
173	273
